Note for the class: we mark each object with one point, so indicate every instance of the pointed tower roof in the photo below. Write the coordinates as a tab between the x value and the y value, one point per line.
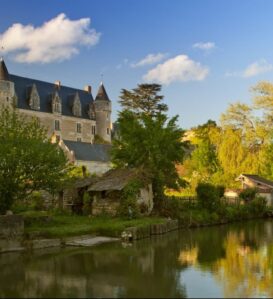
4	74
102	94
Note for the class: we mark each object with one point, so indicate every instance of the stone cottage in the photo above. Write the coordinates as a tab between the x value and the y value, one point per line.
107	191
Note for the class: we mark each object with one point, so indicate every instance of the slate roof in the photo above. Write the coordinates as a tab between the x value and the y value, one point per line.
102	94
115	179
89	152
258	179
45	90
4	74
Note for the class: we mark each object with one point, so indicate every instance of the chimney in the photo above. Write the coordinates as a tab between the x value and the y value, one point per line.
57	84
88	88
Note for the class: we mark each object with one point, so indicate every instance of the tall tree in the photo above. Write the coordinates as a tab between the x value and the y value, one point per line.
147	138
143	99
28	160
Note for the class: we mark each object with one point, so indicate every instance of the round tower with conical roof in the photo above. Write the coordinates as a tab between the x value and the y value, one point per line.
103	114
7	92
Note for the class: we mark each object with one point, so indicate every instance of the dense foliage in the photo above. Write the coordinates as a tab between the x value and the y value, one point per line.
148	138
242	143
28	160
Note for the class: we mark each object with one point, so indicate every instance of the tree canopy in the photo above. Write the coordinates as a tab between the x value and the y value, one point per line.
148	138
28	160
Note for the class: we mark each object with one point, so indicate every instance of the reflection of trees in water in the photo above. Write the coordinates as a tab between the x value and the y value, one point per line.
146	269
240	256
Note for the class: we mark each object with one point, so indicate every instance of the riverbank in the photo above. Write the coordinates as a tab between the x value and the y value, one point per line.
46	229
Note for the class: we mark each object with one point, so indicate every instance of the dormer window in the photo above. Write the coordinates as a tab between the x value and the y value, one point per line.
34	98
56	103
77	107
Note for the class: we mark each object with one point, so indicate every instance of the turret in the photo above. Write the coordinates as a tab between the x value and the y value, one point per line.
103	114
7	92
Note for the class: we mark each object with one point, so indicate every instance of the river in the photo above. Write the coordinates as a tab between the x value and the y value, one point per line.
233	260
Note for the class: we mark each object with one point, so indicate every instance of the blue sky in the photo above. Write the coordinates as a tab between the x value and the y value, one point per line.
205	54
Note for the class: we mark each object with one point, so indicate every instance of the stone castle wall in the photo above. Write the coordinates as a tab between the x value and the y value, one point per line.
68	125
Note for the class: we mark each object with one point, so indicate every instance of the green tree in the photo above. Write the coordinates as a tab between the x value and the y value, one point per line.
28	160
148	139
143	99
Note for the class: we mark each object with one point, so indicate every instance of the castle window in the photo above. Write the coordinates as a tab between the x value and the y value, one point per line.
79	128
77	107
56	103
79	139
57	125
108	131
34	98
93	130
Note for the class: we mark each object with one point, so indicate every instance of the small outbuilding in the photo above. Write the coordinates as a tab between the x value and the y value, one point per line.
263	186
107	191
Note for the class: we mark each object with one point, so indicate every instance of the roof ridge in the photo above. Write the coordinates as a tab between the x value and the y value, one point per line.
38	80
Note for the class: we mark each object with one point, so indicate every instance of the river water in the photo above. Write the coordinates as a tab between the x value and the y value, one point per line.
225	261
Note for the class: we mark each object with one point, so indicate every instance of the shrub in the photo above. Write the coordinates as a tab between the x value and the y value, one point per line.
171	207
248	194
128	207
257	206
209	196
36	201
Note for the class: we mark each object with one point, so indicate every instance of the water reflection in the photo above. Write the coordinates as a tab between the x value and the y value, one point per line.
235	260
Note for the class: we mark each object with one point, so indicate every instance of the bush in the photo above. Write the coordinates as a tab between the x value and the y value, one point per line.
248	194
208	196
171	207
128	207
257	207
36	202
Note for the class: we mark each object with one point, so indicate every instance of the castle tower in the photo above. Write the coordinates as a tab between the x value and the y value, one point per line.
7	92
103	114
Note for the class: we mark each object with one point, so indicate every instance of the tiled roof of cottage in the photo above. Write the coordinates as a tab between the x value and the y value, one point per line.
89	152
45	90
258	179
102	94
117	179
4	74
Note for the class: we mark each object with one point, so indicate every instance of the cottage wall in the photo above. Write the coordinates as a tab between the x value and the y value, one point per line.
146	198
105	206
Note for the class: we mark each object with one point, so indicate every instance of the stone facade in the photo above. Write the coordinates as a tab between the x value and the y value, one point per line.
68	113
67	125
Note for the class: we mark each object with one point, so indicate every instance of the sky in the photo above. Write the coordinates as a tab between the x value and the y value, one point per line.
206	54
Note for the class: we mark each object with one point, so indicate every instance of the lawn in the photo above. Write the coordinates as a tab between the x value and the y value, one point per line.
71	225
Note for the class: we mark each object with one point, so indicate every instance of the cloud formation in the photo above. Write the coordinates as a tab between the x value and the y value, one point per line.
56	40
149	59
254	69
179	68
204	46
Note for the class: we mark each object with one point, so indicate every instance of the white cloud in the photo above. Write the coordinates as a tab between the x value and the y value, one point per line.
149	59
256	68
204	46
179	68
56	40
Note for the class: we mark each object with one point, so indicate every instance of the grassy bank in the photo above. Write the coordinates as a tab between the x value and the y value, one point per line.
41	225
